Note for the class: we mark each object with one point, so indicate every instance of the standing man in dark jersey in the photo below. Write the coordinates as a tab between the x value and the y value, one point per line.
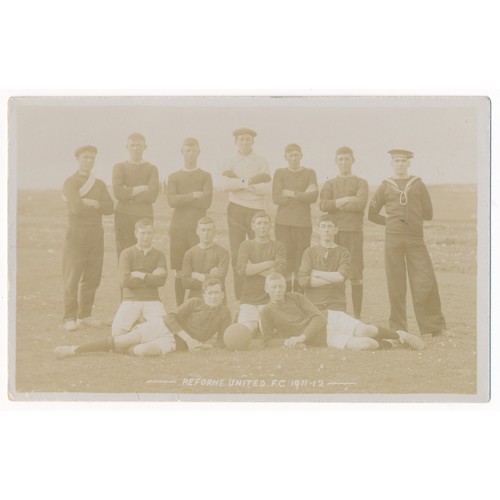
135	185
407	204
88	200
247	180
295	188
189	193
345	198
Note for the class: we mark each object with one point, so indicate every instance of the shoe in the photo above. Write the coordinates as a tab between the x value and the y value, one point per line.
413	341
90	322
443	333
65	351
70	325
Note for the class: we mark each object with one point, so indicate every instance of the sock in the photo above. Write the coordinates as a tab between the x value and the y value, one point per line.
385	333
179	291
357	299
107	344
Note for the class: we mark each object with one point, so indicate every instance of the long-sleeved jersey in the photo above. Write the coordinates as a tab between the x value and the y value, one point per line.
348	217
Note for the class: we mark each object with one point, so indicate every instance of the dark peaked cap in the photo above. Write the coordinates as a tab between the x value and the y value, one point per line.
241	131
401	152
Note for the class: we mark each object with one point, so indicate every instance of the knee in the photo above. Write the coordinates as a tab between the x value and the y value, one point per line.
146	350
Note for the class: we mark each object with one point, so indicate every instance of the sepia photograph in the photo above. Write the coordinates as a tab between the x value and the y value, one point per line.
249	249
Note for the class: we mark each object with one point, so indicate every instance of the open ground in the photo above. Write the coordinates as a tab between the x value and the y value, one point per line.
446	366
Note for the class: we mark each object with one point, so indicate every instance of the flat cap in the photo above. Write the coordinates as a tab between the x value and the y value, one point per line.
82	149
190	141
293	147
344	150
401	152
327	217
241	131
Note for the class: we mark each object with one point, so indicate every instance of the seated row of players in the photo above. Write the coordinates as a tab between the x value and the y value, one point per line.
246	177
142	327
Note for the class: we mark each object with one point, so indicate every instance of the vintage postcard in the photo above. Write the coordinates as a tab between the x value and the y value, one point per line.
249	249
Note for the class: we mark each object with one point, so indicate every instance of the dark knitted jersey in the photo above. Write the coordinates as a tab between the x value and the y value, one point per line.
202	260
319	258
199	320
294	211
251	251
133	259
295	316
80	214
407	204
180	188
127	175
349	217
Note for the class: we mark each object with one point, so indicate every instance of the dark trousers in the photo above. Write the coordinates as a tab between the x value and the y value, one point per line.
409	253
82	269
125	230
295	240
239	221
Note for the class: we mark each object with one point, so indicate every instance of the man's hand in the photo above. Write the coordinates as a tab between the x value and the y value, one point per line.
288	193
139	189
195	345
230	174
311	188
198	276
197	194
90	203
295	342
159	271
138	274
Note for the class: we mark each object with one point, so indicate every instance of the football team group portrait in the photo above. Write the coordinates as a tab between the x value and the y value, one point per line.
256	249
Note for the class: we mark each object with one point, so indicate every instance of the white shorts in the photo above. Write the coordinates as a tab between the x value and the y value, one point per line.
131	311
249	312
340	329
156	332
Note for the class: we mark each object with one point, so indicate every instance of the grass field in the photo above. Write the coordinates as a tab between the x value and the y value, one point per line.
447	366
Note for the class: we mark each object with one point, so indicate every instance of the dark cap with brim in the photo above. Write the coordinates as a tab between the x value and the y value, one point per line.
83	149
293	147
401	152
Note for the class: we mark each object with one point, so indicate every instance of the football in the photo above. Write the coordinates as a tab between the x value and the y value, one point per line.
237	337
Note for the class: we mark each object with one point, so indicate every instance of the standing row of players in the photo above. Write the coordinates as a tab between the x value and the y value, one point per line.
247	179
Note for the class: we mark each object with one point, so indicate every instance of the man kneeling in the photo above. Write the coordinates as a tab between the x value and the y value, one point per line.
193	325
298	322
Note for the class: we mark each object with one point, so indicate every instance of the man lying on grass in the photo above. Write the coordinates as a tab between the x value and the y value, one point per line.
297	322
197	324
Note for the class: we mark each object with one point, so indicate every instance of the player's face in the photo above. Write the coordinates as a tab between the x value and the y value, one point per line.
86	162
144	236
244	143
261	226
190	153
344	162
205	232
213	296
293	158
136	149
327	230
400	164
276	290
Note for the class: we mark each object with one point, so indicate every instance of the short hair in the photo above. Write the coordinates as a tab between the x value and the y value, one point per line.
136	137
293	147
145	222
212	282
327	218
191	141
260	214
206	220
274	277
82	149
344	150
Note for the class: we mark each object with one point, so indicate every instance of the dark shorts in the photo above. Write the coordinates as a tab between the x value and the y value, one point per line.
181	240
353	241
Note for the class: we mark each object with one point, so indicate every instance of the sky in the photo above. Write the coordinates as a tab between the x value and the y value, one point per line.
448	135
